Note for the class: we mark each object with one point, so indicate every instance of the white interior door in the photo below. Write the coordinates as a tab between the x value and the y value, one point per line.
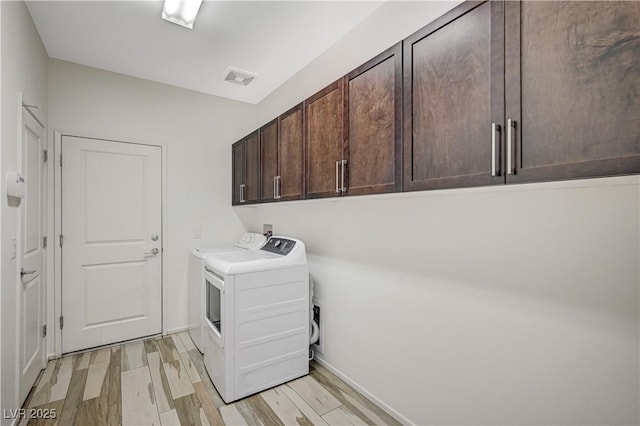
112	242
32	275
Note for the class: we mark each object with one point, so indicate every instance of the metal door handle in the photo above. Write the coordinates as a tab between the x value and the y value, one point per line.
344	163
24	272
153	251
495	128
511	124
338	188
275	191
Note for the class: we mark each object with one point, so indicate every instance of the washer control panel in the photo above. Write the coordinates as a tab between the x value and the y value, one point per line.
277	245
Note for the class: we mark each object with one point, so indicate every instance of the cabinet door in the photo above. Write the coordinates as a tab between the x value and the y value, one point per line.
373	149
573	83
291	149
324	132
268	160
252	168
237	175
448	98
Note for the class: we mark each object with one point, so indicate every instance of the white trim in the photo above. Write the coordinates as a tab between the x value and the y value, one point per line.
57	308
393	413
18	259
57	252
176	330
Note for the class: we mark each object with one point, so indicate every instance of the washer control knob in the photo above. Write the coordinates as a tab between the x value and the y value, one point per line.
277	243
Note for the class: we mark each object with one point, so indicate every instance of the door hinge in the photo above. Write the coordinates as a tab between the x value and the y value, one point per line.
61	240
44	242
61	322
44	331
45	156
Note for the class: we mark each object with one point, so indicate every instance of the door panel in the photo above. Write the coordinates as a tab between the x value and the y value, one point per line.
448	109
325	135
252	167
111	209
32	288
238	154
374	148
107	221
104	287
291	154
268	160
574	92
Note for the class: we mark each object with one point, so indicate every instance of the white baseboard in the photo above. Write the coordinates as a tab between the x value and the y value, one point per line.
176	330
393	413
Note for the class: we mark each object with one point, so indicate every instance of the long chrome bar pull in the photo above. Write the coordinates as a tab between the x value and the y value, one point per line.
495	128
511	124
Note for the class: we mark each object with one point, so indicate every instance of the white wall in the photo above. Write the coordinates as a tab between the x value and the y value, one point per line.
502	305
24	70
198	131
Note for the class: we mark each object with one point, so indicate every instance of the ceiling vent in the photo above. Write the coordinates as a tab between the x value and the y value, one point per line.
238	76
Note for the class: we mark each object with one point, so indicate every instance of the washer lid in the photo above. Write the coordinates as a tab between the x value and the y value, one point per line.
257	260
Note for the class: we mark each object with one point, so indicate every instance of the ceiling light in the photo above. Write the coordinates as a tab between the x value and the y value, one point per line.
181	12
238	76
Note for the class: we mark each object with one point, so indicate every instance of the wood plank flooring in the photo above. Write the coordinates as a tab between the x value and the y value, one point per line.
162	381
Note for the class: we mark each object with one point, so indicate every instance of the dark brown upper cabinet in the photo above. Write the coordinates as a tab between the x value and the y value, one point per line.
572	88
290	183
238	151
269	161
453	99
324	137
354	131
372	152
281	157
246	178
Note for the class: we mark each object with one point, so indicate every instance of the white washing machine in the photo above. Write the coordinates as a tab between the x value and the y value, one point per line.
257	317
248	241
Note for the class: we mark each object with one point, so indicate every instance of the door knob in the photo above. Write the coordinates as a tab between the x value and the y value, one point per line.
154	237
153	251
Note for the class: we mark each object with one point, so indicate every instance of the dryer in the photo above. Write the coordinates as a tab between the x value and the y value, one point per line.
195	281
257	317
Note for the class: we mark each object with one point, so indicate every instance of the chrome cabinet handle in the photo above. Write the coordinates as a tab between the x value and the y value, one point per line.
495	128
279	186
242	187
153	251
24	272
275	187
338	188
344	163
511	124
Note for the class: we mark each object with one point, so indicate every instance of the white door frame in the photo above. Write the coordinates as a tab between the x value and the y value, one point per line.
56	304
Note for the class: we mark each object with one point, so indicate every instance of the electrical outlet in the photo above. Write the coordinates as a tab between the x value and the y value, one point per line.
318	317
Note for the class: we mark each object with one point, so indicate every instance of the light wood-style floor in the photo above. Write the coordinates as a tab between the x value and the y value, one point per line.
162	381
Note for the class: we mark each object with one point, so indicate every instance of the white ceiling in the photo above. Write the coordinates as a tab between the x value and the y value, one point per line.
274	39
